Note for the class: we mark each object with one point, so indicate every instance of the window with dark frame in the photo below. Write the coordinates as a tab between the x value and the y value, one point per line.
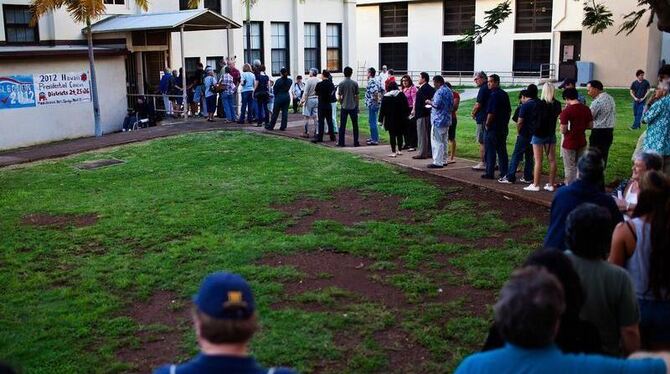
334	47
459	16
213	5
183	5
394	56
312	46
457	57
256	50
114	2
279	47
393	19
17	25
533	16
191	66
529	55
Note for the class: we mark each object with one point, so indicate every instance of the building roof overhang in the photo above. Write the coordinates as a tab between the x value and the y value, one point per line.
191	20
18	51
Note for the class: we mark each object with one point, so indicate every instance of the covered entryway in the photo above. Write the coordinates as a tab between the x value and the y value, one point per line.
148	38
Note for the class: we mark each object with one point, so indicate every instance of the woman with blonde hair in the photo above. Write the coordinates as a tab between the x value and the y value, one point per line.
544	137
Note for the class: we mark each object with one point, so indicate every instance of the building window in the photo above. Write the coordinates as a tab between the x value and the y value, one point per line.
256	38
312	44
457	57
533	16
459	16
394	56
191	66
334	47
393	19
213	5
529	55
114	2
17	24
280	43
183	5
215	63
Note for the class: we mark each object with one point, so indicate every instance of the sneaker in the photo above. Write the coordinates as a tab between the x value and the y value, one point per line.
504	180
372	143
486	176
523	180
410	149
433	166
398	153
532	188
549	187
392	155
479	166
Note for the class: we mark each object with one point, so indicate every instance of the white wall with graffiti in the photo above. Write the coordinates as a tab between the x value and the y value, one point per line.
45	100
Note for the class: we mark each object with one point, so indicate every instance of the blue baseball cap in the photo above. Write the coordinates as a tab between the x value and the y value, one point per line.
225	296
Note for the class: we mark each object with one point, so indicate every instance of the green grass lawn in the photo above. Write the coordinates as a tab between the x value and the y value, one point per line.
619	163
182	207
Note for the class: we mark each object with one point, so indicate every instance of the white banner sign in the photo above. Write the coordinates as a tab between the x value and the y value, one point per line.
62	88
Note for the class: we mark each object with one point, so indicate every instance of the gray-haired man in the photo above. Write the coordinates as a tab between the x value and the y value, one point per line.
479	115
310	101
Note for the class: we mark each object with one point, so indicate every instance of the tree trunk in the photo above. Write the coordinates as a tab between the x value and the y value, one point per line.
94	84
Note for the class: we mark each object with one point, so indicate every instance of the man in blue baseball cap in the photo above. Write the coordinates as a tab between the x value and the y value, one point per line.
225	320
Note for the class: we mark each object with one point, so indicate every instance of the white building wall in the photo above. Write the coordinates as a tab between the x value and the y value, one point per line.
29	126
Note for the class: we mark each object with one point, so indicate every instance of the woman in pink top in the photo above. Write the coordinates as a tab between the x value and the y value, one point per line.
409	89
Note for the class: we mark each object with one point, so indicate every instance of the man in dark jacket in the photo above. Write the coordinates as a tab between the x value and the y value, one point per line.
324	91
586	189
422	115
282	100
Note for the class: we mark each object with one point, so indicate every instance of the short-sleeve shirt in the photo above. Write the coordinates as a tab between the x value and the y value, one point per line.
248	80
373	93
209	82
640	89
528	111
206	364
348	89
550	360
603	110
577	117
443	103
324	91
610	301
483	100
500	107
658	131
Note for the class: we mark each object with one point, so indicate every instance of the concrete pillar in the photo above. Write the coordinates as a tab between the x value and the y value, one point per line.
297	46
349	57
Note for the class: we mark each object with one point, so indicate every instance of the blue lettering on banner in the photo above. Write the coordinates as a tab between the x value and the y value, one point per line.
17	91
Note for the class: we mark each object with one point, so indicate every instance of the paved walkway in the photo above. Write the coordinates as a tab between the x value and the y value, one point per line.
460	171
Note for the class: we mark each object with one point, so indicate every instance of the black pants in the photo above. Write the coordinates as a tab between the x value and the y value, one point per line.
396	136
296	104
410	134
281	104
602	140
353	114
326	114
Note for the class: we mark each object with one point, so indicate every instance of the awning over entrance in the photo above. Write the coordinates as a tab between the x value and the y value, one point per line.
191	20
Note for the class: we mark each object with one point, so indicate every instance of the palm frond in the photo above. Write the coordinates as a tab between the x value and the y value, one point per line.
597	17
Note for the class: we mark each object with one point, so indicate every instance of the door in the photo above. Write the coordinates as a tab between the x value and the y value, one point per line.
571	46
154	63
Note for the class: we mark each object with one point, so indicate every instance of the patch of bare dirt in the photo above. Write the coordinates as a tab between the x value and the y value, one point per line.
325	269
347	207
403	351
60	221
163	320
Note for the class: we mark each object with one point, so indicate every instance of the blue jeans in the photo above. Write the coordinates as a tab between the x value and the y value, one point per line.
353	113
228	108
372	118
495	144
522	150
247	100
638	108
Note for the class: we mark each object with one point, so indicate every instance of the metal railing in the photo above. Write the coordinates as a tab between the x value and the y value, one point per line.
465	78
156	102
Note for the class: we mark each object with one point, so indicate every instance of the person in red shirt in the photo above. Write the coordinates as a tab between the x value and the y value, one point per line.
575	120
452	128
